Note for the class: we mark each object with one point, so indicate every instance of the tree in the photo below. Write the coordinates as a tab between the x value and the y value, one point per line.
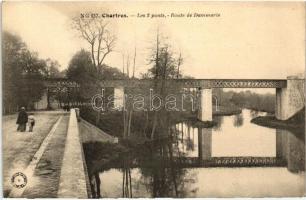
179	63
111	73
251	100
96	33
134	62
52	69
164	63
164	66
80	67
13	47
23	71
82	70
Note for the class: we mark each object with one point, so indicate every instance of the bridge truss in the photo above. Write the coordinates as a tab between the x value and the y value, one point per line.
180	83
198	83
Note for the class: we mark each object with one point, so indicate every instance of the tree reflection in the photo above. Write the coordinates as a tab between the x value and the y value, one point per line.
189	144
238	120
160	159
95	184
219	122
165	178
126	179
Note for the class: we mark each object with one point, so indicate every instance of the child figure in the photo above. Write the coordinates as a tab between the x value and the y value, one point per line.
31	120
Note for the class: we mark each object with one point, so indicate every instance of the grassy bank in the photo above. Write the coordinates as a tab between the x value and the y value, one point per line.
261	109
294	124
100	155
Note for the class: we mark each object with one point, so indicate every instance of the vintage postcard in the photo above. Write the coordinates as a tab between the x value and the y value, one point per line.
130	99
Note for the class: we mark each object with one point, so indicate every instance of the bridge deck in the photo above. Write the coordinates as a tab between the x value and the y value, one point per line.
180	83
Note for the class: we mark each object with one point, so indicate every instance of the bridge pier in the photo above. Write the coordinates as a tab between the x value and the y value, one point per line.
118	98
205	107
289	100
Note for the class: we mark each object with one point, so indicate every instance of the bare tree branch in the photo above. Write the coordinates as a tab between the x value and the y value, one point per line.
134	62
95	32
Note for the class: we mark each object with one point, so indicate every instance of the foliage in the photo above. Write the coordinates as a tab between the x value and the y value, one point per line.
164	63
52	69
23	74
260	102
80	67
82	70
167	64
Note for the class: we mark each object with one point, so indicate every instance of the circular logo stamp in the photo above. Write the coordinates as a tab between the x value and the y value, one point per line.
19	180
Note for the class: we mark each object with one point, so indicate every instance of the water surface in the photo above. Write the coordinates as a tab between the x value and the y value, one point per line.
233	137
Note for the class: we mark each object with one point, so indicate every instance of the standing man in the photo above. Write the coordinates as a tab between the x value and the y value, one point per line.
22	120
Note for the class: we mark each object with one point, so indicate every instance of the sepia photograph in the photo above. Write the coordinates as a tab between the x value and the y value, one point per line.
149	99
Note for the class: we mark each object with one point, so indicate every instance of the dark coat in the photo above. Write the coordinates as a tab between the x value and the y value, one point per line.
22	117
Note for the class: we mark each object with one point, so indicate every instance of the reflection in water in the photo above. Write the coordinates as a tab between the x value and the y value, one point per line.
229	140
292	149
254	113
238	120
163	178
218	120
246	140
95	185
126	178
166	168
204	143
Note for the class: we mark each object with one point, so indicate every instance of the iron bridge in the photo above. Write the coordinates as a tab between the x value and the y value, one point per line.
179	83
199	83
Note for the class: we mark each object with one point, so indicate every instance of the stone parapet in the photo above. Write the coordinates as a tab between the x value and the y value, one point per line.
73	173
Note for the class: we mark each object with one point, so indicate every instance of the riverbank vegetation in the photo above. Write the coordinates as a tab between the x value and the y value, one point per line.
141	125
248	99
226	110
295	124
164	64
108	152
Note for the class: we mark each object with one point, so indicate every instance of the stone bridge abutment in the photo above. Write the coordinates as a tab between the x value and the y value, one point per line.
290	99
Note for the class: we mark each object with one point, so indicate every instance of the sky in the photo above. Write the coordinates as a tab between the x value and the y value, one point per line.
249	40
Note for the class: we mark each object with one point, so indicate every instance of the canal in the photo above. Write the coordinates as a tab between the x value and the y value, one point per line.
234	158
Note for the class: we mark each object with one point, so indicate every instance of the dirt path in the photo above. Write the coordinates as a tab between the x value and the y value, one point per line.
20	147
